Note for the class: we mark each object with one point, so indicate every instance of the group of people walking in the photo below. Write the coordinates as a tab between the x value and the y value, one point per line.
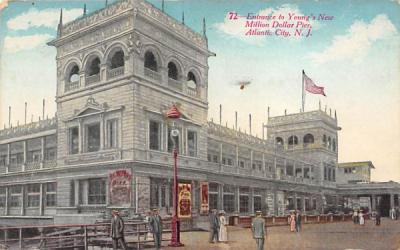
218	227
394	213
358	217
219	232
295	221
155	228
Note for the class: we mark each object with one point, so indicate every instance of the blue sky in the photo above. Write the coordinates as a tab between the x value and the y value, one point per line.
354	56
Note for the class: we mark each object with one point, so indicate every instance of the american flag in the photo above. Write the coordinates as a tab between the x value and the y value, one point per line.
310	86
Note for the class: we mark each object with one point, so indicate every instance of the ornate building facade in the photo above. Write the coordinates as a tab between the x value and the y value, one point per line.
119	70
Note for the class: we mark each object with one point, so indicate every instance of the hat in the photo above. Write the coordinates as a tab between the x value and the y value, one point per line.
115	211
155	209
258	212
221	212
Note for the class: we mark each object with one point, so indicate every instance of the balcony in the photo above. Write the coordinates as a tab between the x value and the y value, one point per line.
174	84
192	92
152	74
32	165
112	73
92	79
69	86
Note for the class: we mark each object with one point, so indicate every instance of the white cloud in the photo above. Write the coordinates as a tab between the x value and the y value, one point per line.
357	41
48	18
19	43
237	28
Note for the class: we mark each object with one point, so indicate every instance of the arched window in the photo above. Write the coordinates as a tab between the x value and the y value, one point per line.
74	74
150	61
191	80
308	139
172	71
279	141
329	142
334	145
117	60
293	140
324	140
94	67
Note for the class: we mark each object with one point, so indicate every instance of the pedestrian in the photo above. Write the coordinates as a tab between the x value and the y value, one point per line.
397	211
355	217
292	221
157	227
258	230
361	218
214	226
149	234
377	218
117	231
298	220
223	231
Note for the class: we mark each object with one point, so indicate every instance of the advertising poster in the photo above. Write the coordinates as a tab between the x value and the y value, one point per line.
120	185
287	110
204	197
184	200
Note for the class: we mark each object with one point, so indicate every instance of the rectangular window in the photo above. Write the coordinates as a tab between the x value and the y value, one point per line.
325	173
2	196
314	204
289	169
97	191
33	195
15	196
112	135
213	200
244	203
215	158
192	143
51	194
223	160
333	175
329	174
154	193
50	154
72	193
171	143
74	140
306	173
3	160
299	204
155	135
163	196
290	205
307	204
209	157
93	137
257	203
3	154
241	164
229	203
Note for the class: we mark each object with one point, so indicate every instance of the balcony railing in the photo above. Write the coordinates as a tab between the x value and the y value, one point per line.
152	74
111	73
71	86
32	165
174	84
92	79
192	92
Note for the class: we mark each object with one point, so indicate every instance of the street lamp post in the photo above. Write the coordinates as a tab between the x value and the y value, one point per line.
174	113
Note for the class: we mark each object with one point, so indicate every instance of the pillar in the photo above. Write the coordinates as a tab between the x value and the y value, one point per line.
41	200
251	200
391	200
25	155
23	200
42	153
276	204
220	196
237	199
295	201
373	202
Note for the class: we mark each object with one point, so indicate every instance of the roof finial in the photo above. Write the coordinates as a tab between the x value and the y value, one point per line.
84	9
162	5
59	27
183	17
204	27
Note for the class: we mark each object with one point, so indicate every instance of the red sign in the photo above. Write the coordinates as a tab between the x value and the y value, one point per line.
204	197
184	200
120	182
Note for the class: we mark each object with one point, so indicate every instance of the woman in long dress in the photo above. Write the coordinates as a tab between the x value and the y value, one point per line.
223	232
361	215
292	222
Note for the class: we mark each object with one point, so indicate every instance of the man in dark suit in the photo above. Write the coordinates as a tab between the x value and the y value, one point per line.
258	230
214	226
117	231
157	227
298	221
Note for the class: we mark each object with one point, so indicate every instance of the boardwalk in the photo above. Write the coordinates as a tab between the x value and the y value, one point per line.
332	236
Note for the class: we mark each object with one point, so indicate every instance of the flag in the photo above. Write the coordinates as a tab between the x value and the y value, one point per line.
310	86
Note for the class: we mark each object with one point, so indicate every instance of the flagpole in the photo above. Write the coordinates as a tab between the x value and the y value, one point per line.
303	97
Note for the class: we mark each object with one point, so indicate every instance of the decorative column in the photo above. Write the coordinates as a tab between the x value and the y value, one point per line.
80	136
391	201
41	200
237	199
251	200
220	196
373	202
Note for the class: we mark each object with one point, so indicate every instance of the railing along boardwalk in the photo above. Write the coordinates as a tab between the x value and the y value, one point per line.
245	221
75	236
